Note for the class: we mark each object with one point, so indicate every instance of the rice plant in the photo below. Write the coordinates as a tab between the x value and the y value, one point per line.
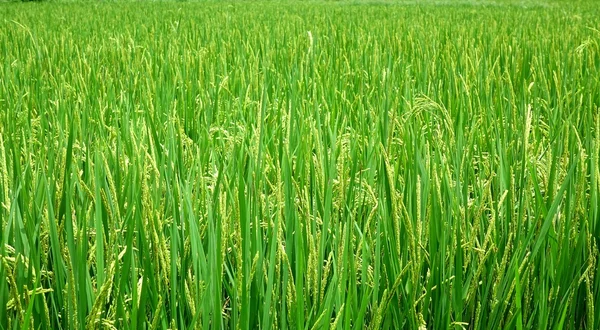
276	165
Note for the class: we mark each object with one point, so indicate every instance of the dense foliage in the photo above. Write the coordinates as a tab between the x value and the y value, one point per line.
307	166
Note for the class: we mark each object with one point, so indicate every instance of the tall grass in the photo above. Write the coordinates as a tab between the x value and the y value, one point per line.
318	166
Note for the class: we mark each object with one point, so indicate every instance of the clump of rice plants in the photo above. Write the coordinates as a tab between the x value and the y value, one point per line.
312	165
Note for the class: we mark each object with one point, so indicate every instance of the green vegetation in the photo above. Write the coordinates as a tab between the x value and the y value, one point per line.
300	166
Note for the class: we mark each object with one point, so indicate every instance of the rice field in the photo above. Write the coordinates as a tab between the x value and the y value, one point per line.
286	165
